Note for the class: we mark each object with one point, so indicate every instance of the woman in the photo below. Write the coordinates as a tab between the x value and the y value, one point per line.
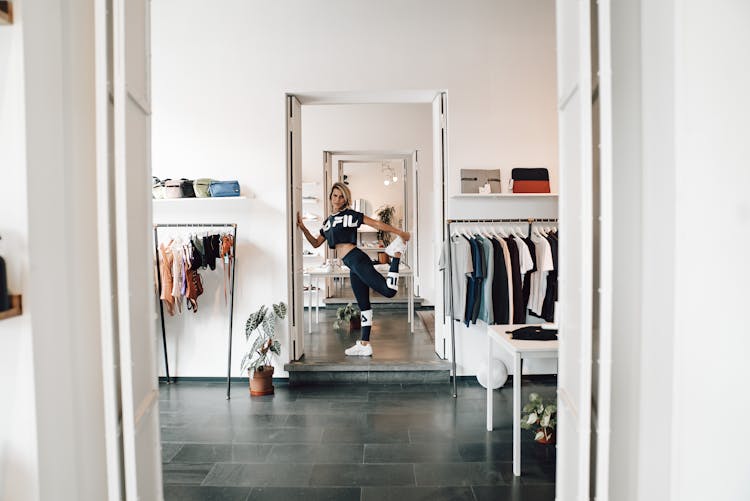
340	231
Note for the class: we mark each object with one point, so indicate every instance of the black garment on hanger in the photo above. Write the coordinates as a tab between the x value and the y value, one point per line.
527	277
479	283
519	314
500	305
550	296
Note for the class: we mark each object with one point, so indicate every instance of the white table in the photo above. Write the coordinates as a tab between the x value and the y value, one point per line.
518	351
317	273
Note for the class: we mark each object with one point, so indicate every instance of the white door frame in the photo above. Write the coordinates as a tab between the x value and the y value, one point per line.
296	330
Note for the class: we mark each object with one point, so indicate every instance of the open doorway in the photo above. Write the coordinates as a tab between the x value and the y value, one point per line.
385	152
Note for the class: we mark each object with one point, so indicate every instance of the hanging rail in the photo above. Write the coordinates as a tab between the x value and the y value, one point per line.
449	268
231	289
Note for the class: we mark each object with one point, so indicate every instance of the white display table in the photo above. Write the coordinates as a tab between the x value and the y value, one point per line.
518	351
319	272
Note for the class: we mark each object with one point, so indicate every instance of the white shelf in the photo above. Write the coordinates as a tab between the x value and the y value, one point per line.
366	229
196	199
503	195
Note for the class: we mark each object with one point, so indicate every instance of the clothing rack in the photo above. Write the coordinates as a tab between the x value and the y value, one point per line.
231	289
449	268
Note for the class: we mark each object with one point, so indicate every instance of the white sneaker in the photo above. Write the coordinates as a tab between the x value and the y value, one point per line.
359	350
395	247
392	280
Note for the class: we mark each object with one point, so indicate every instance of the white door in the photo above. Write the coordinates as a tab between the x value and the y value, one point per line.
294	194
136	340
575	251
414	222
439	208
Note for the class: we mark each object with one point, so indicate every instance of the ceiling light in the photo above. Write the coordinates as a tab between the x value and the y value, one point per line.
386	182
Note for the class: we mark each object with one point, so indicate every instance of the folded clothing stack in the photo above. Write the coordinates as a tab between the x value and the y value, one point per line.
534	333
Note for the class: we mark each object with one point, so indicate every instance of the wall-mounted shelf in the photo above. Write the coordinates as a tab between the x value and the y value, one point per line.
15	308
196	199
503	195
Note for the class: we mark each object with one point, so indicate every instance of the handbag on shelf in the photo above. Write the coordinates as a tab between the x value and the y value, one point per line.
172	188
186	187
530	180
201	187
224	188
157	188
474	179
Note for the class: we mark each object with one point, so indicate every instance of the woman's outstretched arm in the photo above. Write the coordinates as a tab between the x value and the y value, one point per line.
380	225
314	241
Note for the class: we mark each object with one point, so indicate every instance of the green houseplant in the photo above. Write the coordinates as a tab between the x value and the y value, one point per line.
385	214
540	418
260	335
347	314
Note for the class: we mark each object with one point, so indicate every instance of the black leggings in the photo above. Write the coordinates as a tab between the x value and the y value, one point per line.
364	277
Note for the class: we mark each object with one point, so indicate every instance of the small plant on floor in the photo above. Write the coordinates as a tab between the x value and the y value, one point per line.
260	335
540	418
345	315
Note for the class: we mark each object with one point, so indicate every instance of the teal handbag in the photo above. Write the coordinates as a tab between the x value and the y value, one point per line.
224	189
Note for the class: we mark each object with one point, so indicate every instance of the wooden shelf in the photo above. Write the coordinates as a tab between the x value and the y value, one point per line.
15	308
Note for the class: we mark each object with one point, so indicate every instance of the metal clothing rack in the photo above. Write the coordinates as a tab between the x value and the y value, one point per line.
449	269
231	289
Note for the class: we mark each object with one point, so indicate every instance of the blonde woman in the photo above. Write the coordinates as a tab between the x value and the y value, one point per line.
340	231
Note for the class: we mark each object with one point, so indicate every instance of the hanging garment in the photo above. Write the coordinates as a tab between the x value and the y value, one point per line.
177	273
519	315
509	273
539	278
550	296
475	283
500	310
461	267
165	254
527	278
486	312
227	259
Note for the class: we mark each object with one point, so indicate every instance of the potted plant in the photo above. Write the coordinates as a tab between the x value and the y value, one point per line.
540	418
348	314
385	213
260	334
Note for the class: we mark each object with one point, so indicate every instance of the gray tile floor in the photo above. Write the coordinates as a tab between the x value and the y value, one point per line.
390	338
347	442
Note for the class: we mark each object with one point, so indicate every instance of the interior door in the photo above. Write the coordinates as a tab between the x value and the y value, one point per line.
576	259
294	183
135	280
413	227
438	205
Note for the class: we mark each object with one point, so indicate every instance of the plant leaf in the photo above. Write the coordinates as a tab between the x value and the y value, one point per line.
533	418
539	435
544	422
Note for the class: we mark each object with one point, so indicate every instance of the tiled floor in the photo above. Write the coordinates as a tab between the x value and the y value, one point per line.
363	442
347	442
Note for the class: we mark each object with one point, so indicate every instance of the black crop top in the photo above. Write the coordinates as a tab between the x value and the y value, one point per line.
341	228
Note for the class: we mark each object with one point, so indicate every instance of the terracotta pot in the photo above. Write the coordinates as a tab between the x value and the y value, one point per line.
261	382
550	439
383	258
355	323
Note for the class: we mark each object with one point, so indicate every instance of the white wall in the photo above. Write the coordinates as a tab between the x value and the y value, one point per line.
366	181
711	335
218	100
18	438
376	127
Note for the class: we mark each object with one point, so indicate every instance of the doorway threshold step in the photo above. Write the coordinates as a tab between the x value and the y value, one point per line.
368	371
